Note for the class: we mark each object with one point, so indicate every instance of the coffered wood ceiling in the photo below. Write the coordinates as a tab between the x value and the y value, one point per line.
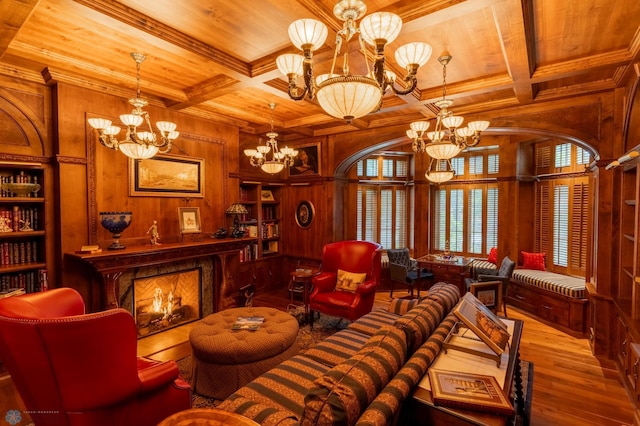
216	58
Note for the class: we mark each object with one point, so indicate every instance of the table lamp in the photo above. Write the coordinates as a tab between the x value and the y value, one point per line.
237	209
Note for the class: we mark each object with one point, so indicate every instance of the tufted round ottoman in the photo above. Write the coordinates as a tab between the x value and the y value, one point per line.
225	360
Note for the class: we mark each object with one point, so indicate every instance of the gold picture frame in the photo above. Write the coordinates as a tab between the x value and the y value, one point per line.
189	220
166	176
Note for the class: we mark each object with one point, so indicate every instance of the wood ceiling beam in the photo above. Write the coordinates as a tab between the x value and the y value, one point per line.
514	22
120	12
13	15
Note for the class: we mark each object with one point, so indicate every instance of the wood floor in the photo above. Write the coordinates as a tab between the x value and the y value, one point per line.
571	387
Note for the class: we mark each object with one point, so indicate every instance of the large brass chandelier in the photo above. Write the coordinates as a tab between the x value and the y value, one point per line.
448	138
138	144
345	95
278	159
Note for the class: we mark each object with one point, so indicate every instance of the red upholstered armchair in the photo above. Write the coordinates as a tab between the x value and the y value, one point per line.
350	256
77	369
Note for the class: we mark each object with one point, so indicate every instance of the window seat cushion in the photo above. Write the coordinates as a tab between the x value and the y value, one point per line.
556	283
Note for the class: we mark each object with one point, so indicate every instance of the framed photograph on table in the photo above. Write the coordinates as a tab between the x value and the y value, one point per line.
307	163
189	220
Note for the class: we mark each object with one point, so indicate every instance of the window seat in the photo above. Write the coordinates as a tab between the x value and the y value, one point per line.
560	299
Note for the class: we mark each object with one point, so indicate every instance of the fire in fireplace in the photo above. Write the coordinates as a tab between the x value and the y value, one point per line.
165	301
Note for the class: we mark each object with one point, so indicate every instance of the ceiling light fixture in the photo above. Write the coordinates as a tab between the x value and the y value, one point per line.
448	138
345	95
279	159
136	144
442	172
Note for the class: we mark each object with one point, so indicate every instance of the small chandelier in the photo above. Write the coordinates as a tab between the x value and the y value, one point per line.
442	172
448	139
136	144
345	95
279	159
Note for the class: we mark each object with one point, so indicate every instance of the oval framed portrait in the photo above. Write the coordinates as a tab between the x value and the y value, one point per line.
304	214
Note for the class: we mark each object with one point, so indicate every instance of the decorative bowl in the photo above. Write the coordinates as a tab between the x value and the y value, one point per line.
115	222
21	189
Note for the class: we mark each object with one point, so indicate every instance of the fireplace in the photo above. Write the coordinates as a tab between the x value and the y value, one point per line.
164	301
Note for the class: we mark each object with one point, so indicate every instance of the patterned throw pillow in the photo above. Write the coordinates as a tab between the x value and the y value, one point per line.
493	256
349	281
533	261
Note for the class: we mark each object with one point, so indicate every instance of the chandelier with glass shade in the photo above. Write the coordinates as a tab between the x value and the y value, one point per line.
348	96
138	143
278	159
448	138
440	170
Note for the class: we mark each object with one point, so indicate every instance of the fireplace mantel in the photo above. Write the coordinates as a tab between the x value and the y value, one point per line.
110	264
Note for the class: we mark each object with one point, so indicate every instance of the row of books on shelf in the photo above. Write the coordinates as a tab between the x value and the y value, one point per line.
270	230
19	219
16	253
269	213
30	282
20	177
249	253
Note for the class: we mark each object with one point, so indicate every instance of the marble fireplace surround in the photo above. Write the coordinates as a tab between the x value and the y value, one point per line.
114	271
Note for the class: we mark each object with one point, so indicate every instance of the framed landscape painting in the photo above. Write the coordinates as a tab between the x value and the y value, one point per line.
167	176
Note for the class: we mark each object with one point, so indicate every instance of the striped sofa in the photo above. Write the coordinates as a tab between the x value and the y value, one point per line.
558	298
360	375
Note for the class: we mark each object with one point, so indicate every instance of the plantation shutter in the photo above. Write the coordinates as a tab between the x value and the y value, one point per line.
440	219
456	220
580	226
401	219
474	230
542	222
492	218
561	225
371	214
386	218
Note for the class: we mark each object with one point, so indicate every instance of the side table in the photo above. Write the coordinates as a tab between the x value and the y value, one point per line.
302	277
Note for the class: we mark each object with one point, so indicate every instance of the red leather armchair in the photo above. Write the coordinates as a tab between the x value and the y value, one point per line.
77	369
351	256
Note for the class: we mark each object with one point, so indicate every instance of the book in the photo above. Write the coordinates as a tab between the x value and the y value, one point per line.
468	391
484	323
89	250
11	292
248	323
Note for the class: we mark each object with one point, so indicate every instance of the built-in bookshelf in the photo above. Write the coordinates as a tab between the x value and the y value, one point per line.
262	220
22	228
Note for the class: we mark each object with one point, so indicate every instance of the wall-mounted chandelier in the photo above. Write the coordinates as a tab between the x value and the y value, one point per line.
448	138
139	144
279	158
345	95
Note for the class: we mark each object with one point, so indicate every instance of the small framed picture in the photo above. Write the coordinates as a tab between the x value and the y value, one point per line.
266	195
304	214
189	220
488	292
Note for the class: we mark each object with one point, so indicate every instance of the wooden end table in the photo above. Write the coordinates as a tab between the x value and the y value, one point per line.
304	276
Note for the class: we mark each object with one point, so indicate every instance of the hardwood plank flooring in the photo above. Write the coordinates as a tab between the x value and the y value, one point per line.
571	386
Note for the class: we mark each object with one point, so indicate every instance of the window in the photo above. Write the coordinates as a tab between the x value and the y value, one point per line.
382	214
562	206
466	218
562	223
